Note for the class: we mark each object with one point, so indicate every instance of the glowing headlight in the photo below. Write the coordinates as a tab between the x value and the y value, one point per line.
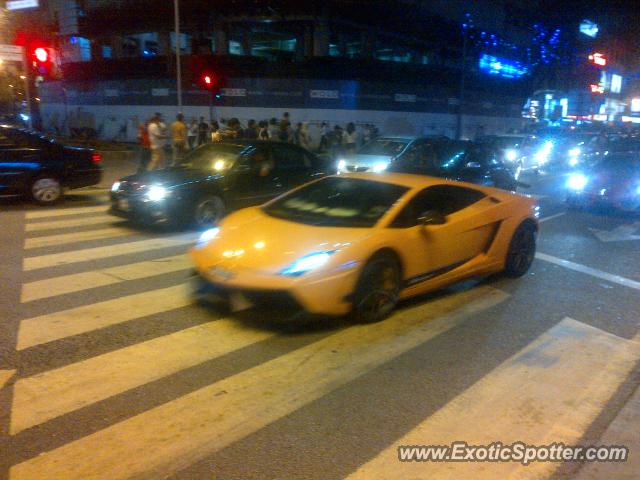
220	165
207	236
380	167
115	187
577	181
306	263
342	165
573	161
511	155
157	193
574	152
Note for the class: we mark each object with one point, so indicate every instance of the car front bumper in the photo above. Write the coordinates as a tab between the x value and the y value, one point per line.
318	295
138	208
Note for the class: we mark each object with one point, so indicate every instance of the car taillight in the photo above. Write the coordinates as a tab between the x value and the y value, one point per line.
96	157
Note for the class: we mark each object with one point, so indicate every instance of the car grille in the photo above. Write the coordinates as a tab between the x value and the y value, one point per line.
353	168
131	187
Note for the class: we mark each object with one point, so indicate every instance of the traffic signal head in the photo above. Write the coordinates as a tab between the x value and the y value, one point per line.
41	54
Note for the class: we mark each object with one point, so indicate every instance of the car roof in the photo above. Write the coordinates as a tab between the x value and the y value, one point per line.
408	180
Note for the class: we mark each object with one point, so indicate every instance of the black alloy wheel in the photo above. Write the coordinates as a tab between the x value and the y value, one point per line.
522	251
209	211
378	289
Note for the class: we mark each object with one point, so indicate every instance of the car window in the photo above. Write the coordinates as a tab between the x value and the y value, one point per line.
290	158
419	155
445	199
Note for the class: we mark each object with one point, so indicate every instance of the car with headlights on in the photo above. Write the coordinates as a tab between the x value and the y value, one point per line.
360	242
379	153
212	180
611	180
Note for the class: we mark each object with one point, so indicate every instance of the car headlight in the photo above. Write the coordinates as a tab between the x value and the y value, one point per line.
342	165
306	263
206	237
380	167
577	181
573	161
511	155
574	152
157	193
115	187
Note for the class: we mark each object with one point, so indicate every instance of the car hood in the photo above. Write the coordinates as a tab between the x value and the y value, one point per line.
168	177
367	160
252	240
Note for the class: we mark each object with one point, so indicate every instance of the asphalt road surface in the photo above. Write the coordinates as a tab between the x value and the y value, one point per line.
109	370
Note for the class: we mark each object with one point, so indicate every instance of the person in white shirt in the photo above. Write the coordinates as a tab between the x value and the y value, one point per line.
157	140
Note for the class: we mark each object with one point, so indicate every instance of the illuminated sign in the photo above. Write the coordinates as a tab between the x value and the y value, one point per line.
21	4
588	28
635	105
501	67
616	83
598	59
596	88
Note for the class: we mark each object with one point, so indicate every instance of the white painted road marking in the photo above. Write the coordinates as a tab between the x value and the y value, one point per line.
174	435
75	237
609	277
71	222
549	392
61	212
622	233
551	217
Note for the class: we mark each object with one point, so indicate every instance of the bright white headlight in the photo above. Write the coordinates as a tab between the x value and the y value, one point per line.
511	155
306	263
380	167
115	187
342	165
577	181
574	152
156	193
573	161
207	236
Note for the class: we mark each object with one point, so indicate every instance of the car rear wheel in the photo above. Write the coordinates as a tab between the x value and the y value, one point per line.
46	190
522	251
209	211
378	289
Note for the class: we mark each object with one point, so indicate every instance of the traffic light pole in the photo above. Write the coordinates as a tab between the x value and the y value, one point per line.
211	106
27	86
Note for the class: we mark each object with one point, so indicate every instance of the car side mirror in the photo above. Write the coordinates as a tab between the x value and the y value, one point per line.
473	165
432	217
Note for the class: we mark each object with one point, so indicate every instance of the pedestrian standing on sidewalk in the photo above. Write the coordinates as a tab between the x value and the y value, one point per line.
178	139
349	139
192	133
157	141
143	141
203	132
324	137
263	130
274	129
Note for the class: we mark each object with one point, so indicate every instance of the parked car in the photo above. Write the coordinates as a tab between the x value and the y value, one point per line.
359	242
463	161
212	180
39	167
508	146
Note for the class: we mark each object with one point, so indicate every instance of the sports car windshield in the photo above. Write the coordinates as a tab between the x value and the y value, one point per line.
338	202
383	146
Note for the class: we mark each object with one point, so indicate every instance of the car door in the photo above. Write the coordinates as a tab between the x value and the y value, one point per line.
18	165
253	179
470	223
293	165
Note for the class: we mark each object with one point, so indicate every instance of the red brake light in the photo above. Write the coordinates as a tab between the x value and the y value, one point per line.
41	54
96	158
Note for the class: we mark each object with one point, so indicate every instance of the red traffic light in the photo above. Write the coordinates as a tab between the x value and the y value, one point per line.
41	54
208	81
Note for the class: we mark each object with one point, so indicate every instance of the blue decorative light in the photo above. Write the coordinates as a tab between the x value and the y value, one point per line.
502	67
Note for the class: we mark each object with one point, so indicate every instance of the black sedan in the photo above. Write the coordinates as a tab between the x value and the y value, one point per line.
611	180
462	161
41	168
212	180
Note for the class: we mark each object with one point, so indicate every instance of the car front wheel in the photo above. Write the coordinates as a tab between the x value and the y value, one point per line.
46	190
209	211
522	251
378	289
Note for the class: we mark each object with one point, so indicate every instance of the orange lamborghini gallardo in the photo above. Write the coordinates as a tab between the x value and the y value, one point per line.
358	243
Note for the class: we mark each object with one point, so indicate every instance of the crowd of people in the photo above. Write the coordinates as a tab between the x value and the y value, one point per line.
156	138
